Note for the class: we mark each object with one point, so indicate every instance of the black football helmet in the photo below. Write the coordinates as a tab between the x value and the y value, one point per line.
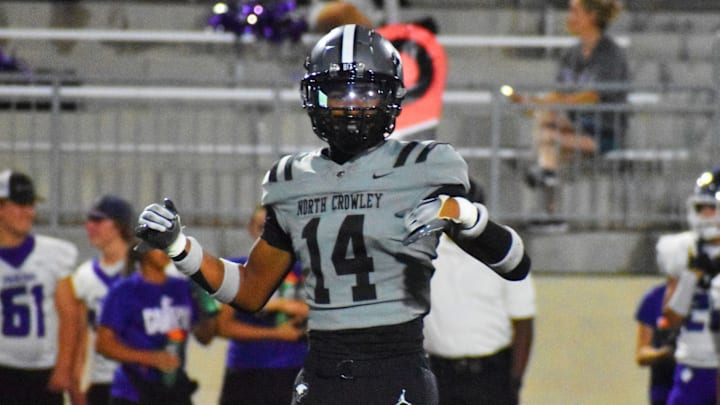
353	88
705	194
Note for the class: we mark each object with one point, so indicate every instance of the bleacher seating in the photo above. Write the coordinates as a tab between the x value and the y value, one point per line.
662	37
667	48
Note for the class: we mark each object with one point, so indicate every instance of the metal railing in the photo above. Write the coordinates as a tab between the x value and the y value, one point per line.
209	148
642	183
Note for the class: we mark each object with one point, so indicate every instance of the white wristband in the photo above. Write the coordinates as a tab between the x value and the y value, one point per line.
230	284
514	255
190	264
473	229
468	214
178	246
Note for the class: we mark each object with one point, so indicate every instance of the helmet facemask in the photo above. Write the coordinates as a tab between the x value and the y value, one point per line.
703	207
353	88
351	114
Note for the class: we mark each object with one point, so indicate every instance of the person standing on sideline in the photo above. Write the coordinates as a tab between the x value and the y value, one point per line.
363	216
109	227
146	320
691	259
39	315
479	331
266	350
655	344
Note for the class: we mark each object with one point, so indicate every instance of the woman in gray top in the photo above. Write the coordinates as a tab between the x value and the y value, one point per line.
595	59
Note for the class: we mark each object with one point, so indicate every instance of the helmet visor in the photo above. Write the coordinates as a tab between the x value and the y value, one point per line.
349	95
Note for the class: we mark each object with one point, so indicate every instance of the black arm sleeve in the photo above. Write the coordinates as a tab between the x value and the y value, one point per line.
274	234
200	280
449	189
492	247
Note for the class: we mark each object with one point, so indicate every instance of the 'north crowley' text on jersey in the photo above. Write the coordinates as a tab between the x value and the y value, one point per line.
338	202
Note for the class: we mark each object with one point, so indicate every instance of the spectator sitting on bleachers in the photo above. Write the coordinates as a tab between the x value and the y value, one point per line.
562	135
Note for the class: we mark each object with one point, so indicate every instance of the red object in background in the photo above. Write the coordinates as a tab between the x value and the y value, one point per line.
425	74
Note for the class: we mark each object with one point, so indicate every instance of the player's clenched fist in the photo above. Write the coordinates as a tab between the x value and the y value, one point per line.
159	228
439	213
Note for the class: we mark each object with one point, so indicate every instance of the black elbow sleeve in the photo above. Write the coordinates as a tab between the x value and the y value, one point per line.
199	279
520	271
496	247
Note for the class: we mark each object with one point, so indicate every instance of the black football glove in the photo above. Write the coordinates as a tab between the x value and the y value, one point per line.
159	228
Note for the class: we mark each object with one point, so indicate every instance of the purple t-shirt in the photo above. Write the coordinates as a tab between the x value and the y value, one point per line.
661	374
141	314
264	354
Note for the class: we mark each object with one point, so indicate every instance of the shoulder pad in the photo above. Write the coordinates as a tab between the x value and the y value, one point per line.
281	169
448	167
673	252
412	152
286	176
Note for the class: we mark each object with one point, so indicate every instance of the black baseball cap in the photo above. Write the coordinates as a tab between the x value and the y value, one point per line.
112	207
18	188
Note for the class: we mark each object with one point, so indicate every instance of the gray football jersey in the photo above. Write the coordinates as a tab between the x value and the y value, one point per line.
346	226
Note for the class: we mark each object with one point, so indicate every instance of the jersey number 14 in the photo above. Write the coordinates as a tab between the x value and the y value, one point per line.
350	239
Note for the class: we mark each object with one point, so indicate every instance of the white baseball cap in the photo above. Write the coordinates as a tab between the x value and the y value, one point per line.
17	187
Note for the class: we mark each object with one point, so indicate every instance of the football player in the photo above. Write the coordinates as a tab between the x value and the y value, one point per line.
109	228
363	216
39	315
691	260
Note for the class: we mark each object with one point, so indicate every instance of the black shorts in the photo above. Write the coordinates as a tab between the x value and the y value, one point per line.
266	386
380	365
477	380
400	380
21	387
99	394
